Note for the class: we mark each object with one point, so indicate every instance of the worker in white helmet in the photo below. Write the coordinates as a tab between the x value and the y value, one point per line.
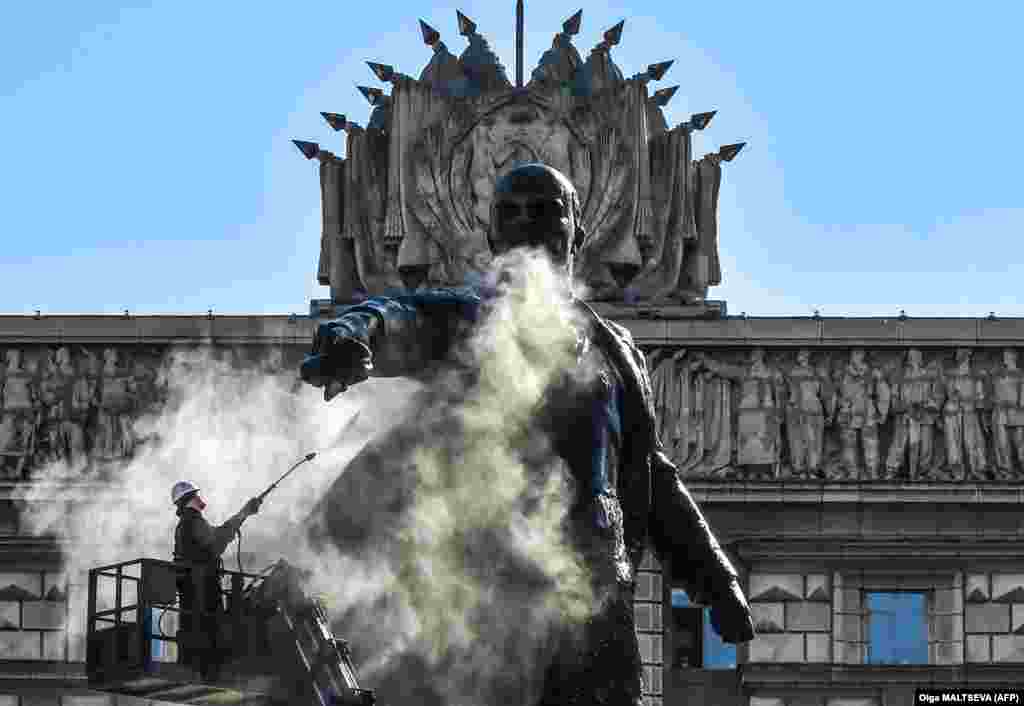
198	547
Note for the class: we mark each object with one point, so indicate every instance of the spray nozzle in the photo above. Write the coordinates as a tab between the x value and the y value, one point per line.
311	455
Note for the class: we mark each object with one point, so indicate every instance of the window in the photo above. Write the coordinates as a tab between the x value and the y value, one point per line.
887	618
694	641
897	627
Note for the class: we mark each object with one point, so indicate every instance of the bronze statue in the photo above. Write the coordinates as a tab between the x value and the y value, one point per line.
599	419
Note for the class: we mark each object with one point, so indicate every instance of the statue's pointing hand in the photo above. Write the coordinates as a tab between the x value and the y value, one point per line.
336	361
730	616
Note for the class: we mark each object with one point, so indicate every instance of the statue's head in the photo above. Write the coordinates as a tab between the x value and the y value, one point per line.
536	206
62	357
1010	357
963	355
914	357
803	356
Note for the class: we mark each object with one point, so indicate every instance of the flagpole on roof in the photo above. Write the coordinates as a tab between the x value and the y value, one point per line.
519	43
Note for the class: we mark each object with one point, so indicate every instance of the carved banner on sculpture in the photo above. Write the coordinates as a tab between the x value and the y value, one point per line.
842	415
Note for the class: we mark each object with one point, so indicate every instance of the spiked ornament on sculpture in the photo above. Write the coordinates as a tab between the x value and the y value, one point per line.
572	25
466	25
336	121
383	72
309	149
614	35
657	71
662	96
430	35
699	121
373	95
729	152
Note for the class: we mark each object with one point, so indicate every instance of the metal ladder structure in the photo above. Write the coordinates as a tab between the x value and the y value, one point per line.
300	633
280	650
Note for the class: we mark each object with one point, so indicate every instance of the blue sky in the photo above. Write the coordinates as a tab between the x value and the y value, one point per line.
147	162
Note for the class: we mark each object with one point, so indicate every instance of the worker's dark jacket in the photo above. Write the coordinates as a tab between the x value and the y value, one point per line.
197	548
197	542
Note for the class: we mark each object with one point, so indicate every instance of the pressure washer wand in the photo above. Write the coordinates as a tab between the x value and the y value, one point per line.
308	457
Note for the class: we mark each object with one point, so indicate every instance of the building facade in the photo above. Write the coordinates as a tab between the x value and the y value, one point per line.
863	473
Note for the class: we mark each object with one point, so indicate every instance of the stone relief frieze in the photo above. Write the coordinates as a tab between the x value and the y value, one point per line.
74	409
887	415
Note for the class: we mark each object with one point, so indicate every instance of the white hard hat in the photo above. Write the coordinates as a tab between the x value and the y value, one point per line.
181	489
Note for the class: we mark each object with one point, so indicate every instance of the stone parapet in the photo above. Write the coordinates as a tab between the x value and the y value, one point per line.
695	325
217	329
825	492
653	326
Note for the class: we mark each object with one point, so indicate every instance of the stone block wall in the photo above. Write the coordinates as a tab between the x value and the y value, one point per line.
33	616
792	615
822	618
648	612
994	617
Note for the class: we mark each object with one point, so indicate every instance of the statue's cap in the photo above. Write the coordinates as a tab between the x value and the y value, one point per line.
534	178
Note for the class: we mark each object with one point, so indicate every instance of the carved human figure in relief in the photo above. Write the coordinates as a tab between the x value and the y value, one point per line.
917	399
759	412
1007	395
55	395
82	407
273	362
808	406
679	403
115	437
18	402
667	382
962	420
862	405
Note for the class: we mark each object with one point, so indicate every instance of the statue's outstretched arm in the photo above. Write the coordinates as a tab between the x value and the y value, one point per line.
680	534
389	336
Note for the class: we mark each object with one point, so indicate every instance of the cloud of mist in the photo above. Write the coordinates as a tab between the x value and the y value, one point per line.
463	583
230	431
